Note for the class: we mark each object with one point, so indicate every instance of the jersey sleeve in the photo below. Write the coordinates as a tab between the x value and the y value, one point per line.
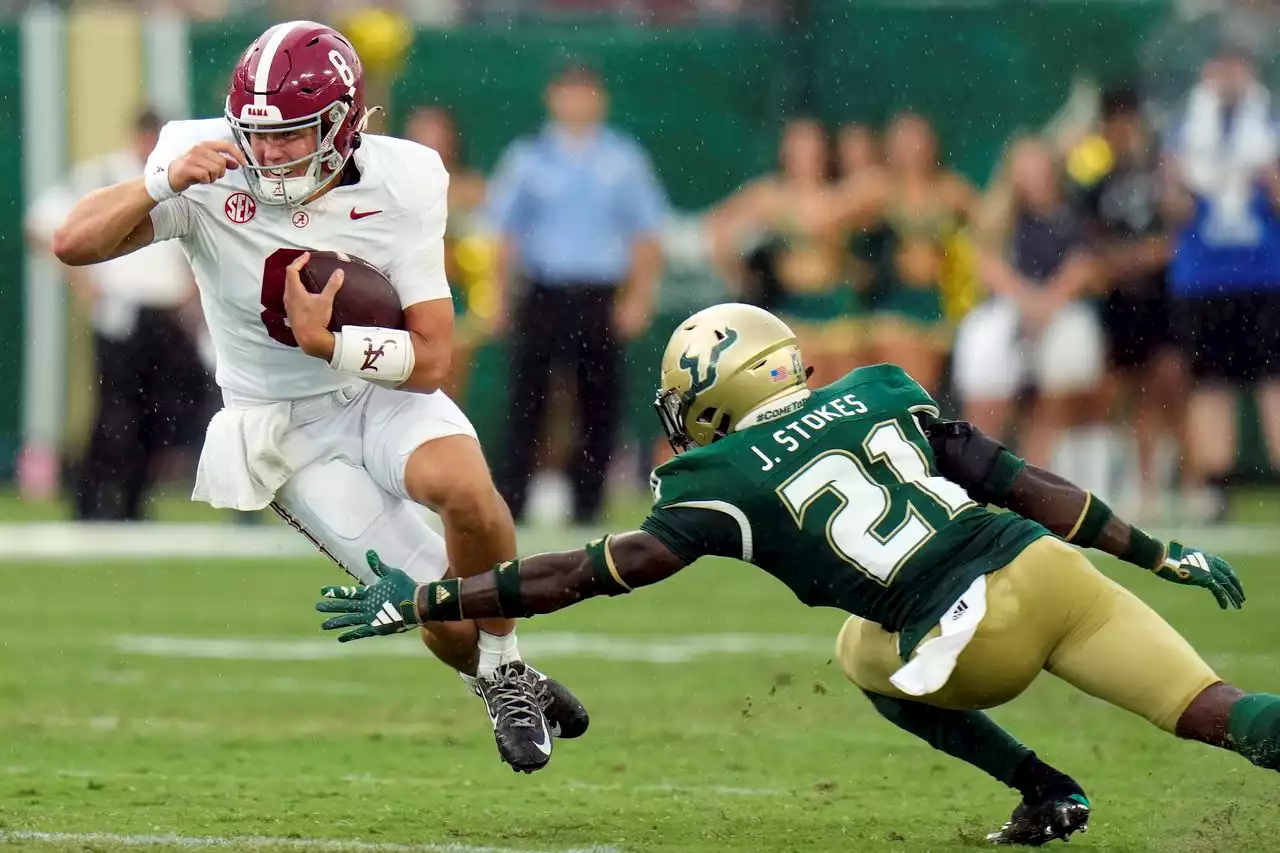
418	273
692	514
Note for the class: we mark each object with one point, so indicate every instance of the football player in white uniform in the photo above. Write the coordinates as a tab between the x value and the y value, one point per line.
342	459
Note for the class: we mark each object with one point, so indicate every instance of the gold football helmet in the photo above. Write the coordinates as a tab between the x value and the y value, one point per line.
722	364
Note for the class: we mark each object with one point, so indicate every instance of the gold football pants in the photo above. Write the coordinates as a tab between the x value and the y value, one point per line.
1049	609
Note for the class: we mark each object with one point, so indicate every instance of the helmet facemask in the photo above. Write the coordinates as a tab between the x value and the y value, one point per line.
671	406
273	184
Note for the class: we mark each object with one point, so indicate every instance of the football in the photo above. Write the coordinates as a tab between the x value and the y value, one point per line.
366	298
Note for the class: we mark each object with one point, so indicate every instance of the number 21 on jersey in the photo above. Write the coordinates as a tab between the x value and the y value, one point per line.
864	503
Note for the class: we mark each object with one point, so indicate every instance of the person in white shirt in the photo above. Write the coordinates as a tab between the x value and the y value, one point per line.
344	460
152	388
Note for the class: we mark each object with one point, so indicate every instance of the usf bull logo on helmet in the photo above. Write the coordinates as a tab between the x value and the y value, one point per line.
723	364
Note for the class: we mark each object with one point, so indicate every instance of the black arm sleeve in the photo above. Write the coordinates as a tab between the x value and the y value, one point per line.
972	459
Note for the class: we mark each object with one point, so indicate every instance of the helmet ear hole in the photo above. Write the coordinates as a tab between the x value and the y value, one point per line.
707	415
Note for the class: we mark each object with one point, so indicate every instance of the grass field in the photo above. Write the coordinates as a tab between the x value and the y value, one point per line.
192	706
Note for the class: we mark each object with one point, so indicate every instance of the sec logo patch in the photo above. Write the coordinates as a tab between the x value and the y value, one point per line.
240	207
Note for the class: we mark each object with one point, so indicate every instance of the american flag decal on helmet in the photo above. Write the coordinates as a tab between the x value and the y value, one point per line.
779	374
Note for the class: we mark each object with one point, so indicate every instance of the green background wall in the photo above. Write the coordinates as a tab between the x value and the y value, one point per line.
12	255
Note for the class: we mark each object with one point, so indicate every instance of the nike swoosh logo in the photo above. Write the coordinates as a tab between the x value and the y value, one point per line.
361	214
544	745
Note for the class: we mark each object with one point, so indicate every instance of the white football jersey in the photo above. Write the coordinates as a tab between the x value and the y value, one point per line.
393	217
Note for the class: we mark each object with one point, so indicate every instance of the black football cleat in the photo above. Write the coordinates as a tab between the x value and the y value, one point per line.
566	716
1035	824
519	727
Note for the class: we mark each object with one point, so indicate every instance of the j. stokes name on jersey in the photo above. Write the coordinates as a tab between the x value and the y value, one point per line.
810	422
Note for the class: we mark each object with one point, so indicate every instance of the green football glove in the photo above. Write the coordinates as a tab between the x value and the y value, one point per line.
1197	568
385	608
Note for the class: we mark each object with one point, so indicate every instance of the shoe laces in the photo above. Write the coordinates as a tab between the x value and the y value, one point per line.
541	687
512	698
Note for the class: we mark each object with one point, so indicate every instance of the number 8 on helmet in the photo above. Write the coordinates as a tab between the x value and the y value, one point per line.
299	77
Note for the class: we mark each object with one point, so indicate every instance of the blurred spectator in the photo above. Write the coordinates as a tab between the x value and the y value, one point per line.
1119	196
857	156
579	211
468	254
857	150
152	383
1225	273
925	206
1036	326
793	214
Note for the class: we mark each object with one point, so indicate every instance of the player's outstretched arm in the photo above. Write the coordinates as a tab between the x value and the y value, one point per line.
992	474
542	583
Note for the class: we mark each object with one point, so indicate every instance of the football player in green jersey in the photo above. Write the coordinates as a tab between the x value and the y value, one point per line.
858	496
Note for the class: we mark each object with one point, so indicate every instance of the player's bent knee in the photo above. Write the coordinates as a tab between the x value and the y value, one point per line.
447	473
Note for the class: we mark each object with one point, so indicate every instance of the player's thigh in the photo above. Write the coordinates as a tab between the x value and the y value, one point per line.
345	513
399	423
1120	650
1069	354
987	363
1022	625
1004	656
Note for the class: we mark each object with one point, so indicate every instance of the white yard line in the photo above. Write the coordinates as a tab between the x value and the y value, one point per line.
63	541
546	644
369	779
191	842
71	542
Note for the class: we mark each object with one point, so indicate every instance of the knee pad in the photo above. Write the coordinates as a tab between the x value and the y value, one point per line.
345	513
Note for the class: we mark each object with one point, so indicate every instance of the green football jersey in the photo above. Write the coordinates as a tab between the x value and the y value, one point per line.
840	499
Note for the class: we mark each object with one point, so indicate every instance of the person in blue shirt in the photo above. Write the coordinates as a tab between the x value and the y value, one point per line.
578	210
1225	272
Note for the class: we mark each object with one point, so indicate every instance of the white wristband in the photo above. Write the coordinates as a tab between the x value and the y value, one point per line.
158	186
374	353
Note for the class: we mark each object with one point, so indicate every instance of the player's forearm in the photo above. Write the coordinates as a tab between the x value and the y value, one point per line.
430	365
543	583
100	225
1078	517
991	474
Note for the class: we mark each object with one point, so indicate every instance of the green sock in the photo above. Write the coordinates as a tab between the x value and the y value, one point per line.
1253	728
970	736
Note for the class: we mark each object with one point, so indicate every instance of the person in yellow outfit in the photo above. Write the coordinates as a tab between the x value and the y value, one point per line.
795	208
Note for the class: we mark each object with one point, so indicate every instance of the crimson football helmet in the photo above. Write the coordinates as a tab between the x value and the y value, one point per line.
298	76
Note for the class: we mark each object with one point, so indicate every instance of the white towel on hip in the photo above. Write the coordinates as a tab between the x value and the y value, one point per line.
934	660
242	465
